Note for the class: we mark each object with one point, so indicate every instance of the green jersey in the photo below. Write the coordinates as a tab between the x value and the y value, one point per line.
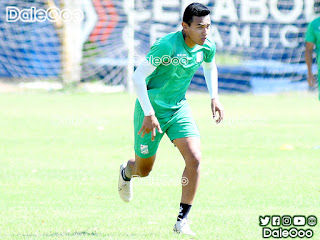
176	64
313	35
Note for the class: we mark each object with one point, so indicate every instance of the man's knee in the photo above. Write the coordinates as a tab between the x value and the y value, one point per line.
194	161
144	165
144	171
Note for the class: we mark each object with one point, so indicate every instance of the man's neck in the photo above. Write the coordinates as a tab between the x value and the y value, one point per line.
188	41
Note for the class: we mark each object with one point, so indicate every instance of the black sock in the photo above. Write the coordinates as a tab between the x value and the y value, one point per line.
184	210
124	175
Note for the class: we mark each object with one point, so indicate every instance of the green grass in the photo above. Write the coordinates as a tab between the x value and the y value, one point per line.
60	154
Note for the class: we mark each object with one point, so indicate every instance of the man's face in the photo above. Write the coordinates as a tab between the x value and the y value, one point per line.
199	29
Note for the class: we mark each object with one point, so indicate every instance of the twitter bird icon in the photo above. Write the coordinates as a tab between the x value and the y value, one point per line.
264	221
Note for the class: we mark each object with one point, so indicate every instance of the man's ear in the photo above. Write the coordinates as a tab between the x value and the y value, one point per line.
184	26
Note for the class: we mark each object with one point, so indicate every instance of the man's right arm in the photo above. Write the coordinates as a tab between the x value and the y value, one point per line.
150	122
159	49
139	82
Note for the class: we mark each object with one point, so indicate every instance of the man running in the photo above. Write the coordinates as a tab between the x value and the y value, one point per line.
161	82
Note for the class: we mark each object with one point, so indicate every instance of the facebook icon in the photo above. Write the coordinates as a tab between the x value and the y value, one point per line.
276	221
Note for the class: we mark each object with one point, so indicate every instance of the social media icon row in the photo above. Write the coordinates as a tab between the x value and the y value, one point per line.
287	220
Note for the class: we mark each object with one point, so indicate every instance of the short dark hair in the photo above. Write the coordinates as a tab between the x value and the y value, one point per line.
194	9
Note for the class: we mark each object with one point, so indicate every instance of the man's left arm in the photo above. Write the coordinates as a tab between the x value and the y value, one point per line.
310	39
211	76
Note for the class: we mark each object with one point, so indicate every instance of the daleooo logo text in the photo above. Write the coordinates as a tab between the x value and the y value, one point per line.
284	233
53	14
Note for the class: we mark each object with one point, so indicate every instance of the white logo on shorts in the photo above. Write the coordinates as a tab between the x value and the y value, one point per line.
144	149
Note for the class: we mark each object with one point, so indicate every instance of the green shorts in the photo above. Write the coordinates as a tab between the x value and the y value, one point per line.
180	124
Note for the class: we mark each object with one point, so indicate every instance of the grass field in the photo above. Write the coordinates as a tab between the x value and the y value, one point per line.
60	154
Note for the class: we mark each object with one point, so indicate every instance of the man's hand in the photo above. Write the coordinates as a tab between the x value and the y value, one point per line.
217	107
150	124
311	80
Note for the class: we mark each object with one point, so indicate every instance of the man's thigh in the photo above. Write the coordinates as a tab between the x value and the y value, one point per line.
183	125
189	148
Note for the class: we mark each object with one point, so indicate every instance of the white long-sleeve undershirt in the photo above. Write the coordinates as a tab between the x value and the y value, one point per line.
211	76
139	82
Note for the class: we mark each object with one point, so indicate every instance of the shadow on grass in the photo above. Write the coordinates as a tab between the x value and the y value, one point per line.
82	234
66	234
